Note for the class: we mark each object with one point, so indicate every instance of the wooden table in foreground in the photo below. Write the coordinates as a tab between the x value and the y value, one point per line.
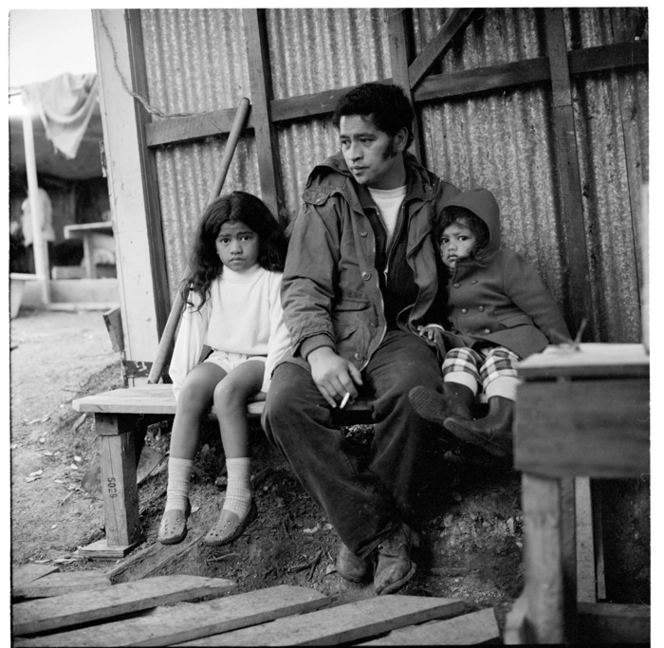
578	413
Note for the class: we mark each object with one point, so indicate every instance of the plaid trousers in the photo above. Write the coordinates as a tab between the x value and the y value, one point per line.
484	364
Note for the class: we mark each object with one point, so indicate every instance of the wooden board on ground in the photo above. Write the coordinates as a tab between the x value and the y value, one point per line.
62	583
25	574
340	624
187	621
80	607
103	551
467	629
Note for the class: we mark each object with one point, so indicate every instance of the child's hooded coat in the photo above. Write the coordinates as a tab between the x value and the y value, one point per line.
502	302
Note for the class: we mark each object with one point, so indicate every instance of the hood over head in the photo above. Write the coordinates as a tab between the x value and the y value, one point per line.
483	204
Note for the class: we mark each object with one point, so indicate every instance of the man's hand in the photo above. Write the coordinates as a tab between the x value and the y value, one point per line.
333	375
429	331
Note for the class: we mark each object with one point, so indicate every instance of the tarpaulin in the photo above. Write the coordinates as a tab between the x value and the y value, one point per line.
65	105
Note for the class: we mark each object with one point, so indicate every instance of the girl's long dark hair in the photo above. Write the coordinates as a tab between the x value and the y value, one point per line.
205	264
475	224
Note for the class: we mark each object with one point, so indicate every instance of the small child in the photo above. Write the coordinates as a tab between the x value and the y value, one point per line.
500	312
233	307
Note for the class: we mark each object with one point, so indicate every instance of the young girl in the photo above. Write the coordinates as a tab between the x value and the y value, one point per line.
499	312
233	307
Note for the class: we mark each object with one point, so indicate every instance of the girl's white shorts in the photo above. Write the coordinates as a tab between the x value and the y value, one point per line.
228	361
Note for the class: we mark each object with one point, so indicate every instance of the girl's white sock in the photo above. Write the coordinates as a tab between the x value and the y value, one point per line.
238	491
179	477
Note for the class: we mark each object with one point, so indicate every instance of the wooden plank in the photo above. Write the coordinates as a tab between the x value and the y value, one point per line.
341	624
101	550
63	583
597	428
589	60
80	607
23	575
578	295
592	360
613	623
159	399
609	57
436	48
260	79
180	130
487	79
187	622
162	298
113	322
399	31
468	629
585	553
118	483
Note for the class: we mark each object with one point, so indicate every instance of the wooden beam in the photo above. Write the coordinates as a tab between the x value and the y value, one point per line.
578	297
185	129
260	78
455	24
162	298
399	30
436	87
488	79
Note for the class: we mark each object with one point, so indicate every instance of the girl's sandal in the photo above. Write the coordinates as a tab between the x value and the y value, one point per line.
229	527
173	527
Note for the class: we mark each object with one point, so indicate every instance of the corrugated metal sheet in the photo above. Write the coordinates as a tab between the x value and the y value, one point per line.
196	62
313	50
503	140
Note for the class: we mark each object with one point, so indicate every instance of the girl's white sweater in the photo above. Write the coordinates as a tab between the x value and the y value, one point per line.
242	315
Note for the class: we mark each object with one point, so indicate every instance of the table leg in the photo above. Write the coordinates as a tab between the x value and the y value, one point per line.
546	611
118	474
88	258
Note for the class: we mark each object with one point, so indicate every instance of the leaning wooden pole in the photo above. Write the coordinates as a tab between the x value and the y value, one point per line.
167	340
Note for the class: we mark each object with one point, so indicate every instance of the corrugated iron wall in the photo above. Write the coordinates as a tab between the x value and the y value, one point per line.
197	62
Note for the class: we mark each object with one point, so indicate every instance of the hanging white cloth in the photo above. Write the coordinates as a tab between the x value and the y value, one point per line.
65	105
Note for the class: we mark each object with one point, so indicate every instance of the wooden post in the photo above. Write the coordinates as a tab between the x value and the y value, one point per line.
39	248
399	30
148	170
260	78
578	290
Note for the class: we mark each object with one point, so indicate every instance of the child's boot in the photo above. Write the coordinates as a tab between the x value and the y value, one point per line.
492	433
455	401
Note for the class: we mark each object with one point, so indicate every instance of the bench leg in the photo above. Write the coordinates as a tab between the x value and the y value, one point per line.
118	475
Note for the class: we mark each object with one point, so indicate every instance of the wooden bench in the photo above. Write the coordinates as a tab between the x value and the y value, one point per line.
121	414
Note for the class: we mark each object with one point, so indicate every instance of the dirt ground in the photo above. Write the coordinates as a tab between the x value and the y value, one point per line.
472	539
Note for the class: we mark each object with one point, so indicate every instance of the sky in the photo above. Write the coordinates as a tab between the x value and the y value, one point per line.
45	43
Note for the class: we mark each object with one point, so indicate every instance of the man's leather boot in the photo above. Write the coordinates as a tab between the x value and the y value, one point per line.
492	433
350	566
394	567
455	401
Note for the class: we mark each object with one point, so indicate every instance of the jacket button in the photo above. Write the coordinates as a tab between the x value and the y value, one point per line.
456	285
464	310
357	356
481	309
363	233
474	281
487	331
366	276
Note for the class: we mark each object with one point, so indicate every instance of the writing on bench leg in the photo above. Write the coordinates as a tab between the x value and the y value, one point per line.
118	474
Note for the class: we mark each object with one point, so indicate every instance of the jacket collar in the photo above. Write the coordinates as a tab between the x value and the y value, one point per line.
333	175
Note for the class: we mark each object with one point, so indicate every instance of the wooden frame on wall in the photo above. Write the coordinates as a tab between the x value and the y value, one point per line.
557	69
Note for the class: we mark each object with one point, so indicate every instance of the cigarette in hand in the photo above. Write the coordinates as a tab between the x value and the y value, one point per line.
344	400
